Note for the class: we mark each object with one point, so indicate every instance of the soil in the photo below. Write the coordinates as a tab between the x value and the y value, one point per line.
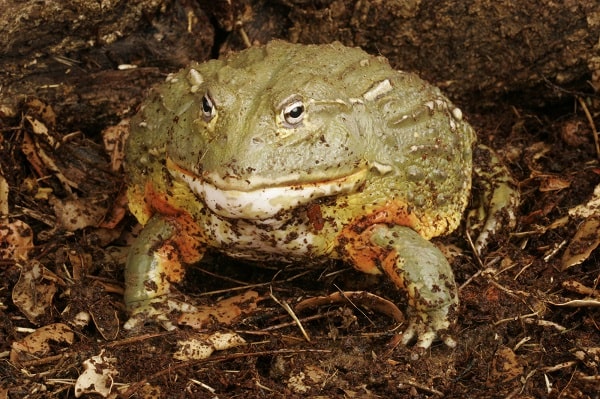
528	323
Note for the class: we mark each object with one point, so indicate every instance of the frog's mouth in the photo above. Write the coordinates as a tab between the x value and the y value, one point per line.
263	202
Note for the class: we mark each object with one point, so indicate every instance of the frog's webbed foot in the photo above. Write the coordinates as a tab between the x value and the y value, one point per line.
498	199
419	268
156	310
426	331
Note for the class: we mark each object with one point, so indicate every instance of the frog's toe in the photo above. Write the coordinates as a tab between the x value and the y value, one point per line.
157	311
137	320
425	336
428	327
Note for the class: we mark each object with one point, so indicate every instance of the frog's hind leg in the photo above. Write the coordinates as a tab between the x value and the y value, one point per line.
498	198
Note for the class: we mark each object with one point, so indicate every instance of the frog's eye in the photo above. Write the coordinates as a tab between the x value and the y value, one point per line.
293	113
208	108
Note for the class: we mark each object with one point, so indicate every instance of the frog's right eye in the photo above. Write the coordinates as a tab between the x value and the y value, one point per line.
293	113
208	108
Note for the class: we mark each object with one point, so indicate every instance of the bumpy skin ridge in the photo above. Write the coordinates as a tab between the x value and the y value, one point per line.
405	146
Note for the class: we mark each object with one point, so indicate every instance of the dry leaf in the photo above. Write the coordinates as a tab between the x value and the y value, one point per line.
33	293
586	239
506	366
590	208
114	138
43	111
106	320
224	312
77	213
205	345
117	212
37	344
29	150
193	349
358	298
576	286
149	391
42	162
97	377
4	190
16	239
553	183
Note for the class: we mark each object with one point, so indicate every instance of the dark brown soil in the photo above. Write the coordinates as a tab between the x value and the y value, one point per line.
527	327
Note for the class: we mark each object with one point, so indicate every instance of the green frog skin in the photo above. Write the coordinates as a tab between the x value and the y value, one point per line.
298	153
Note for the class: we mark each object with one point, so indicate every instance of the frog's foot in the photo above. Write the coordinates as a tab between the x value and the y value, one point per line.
417	267
498	199
157	310
154	263
428	327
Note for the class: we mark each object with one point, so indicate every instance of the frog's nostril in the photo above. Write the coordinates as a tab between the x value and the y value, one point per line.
257	140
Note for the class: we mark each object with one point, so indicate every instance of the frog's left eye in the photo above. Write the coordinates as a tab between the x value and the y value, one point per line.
293	113
208	108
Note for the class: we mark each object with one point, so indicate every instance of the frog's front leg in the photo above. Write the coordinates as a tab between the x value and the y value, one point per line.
155	261
419	268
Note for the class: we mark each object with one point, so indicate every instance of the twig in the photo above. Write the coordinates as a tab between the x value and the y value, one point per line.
475	252
520	317
588	378
248	286
546	323
422	387
559	366
343	294
45	360
292	315
279	326
592	125
138	338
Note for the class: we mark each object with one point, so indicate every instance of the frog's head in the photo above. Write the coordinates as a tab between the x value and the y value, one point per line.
273	127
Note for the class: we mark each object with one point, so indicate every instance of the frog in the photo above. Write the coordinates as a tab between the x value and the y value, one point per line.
295	153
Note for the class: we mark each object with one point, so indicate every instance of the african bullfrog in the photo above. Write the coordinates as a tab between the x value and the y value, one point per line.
299	153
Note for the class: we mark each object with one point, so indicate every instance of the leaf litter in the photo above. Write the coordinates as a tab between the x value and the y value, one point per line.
528	319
